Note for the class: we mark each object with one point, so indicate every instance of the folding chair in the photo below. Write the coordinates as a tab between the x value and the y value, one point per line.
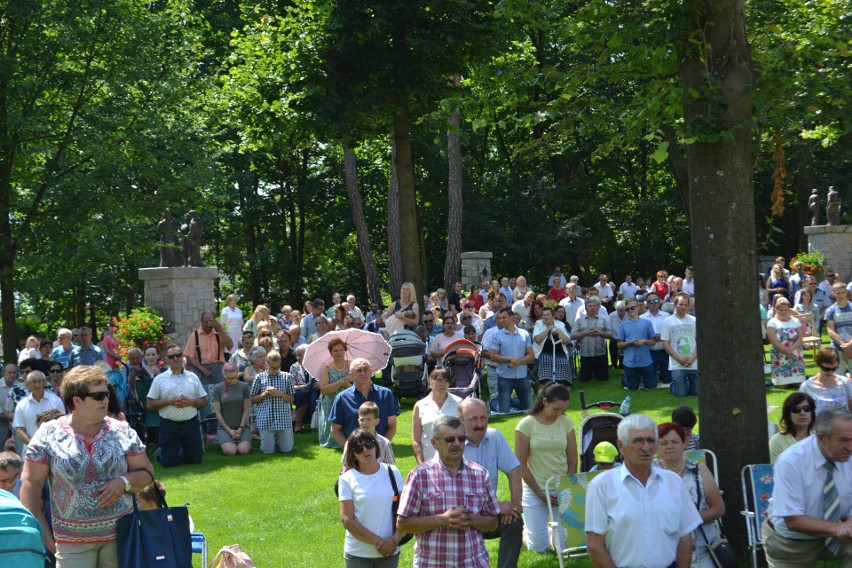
199	546
570	492
757	485
708	458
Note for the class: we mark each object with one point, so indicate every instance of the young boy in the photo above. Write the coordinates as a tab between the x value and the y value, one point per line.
605	456
685	417
368	418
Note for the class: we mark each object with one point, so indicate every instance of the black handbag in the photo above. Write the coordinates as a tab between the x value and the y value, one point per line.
721	551
395	507
158	538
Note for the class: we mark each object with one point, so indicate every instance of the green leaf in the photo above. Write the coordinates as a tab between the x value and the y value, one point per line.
661	154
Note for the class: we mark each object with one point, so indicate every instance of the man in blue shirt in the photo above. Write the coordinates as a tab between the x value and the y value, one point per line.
87	353
487	447
511	349
635	336
62	352
344	412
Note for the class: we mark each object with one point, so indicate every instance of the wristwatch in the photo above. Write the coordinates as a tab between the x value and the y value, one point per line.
126	484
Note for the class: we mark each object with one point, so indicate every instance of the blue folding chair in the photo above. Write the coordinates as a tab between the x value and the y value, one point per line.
199	546
757	483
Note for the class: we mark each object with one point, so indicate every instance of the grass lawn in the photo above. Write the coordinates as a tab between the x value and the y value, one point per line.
282	509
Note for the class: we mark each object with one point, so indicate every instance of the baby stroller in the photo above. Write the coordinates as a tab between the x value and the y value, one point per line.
597	428
461	360
409	375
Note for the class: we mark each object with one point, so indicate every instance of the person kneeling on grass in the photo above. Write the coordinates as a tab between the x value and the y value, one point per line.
272	394
232	405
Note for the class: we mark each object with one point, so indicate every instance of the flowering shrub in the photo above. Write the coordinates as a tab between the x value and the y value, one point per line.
812	260
143	327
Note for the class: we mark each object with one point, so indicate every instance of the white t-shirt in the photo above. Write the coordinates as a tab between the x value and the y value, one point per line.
604	290
440	342
232	321
628	290
680	333
372	497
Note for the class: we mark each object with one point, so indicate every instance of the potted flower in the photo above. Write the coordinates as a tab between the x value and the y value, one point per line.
141	328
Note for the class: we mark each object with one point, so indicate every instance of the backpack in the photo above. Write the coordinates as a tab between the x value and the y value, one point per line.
21	544
232	557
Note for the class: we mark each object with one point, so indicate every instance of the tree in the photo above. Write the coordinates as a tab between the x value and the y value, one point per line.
716	74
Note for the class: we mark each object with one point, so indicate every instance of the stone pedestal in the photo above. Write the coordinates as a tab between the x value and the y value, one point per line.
475	268
181	293
835	242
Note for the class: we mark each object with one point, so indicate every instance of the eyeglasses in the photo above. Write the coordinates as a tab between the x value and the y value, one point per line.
368	445
470	307
801	409
271	368
451	439
55	371
653	301
630	309
99	396
174	356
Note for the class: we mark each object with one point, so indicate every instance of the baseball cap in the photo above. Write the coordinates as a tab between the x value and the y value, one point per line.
605	452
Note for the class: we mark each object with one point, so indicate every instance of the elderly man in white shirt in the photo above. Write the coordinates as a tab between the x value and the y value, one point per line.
799	531
639	515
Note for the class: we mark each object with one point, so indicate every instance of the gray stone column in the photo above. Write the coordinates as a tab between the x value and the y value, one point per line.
181	293
475	267
835	242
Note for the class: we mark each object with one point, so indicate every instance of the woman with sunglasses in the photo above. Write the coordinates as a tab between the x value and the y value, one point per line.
366	497
94	463
546	445
827	388
797	421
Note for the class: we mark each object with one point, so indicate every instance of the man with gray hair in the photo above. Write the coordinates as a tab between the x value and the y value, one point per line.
591	331
344	411
62	352
449	529
808	517
29	408
639	514
11	465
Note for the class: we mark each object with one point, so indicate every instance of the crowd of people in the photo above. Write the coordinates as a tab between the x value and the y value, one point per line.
235	380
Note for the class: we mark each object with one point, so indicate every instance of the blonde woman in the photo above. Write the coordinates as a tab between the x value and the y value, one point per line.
261	314
404	312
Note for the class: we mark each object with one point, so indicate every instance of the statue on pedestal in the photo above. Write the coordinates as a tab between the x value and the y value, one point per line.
169	248
832	207
191	233
813	207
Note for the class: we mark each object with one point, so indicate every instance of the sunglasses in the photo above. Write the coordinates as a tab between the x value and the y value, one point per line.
828	369
174	356
55	371
266	335
653	301
271	368
451	439
801	409
368	445
99	396
630	309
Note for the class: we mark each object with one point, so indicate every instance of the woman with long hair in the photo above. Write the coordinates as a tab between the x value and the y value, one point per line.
798	416
404	312
546	445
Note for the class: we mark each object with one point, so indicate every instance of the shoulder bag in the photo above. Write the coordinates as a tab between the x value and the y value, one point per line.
721	551
158	538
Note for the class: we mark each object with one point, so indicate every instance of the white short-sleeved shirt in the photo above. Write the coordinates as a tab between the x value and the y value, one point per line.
168	385
372	497
28	408
628	290
642	524
680	333
799	480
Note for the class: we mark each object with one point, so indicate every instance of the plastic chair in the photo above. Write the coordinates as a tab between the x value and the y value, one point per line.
199	546
757	483
570	492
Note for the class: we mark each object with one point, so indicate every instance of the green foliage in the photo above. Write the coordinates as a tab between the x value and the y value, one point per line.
811	259
143	327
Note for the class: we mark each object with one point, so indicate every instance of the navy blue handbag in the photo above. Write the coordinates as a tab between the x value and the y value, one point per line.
158	538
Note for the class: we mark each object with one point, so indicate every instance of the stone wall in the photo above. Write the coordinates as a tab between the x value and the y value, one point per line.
835	242
181	294
475	268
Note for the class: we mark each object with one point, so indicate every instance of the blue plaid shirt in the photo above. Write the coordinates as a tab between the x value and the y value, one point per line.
273	412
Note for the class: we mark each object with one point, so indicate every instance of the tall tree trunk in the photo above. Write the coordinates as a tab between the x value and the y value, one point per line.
357	207
411	268
394	235
454	201
732	404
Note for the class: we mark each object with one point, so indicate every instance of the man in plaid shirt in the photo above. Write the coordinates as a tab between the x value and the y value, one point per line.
271	395
448	502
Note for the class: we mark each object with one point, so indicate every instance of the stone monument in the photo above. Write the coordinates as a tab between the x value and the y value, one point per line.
475	267
833	239
180	288
813	207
